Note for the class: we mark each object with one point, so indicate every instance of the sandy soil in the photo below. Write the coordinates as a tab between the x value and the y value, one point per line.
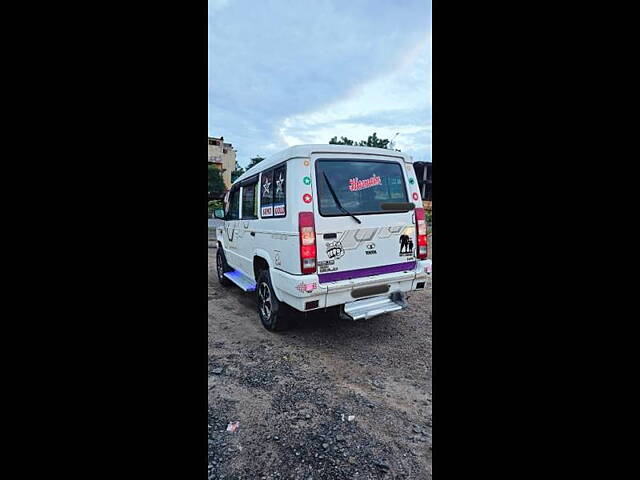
293	392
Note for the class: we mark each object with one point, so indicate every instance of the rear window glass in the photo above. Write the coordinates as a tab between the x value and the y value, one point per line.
360	185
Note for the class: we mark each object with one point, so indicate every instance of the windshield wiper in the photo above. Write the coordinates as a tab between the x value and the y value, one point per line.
335	199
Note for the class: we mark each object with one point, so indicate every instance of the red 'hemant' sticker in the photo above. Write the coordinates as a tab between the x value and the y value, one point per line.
356	184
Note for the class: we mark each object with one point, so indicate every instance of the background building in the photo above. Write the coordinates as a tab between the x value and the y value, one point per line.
223	156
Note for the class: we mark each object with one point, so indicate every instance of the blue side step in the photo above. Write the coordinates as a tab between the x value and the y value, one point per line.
244	282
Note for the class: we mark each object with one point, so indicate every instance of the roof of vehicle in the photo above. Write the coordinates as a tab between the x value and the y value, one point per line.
307	150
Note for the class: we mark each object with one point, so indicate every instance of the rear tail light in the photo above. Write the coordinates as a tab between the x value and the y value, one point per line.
422	233
307	242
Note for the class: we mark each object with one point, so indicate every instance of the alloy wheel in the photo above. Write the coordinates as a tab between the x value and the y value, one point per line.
264	294
220	267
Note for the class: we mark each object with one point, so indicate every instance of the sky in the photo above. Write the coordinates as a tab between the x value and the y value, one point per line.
290	72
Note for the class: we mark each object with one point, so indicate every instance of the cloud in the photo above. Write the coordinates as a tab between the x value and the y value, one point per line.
397	102
283	72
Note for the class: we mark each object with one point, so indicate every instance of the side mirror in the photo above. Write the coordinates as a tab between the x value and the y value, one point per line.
219	214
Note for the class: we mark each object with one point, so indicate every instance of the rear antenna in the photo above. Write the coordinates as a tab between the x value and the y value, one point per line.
391	144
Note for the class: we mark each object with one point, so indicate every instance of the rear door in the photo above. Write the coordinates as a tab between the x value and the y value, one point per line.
384	242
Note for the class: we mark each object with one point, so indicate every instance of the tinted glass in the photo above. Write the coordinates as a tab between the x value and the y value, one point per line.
361	186
234	205
280	185
266	194
249	203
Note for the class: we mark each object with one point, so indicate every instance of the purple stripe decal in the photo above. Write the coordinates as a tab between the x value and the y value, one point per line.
365	272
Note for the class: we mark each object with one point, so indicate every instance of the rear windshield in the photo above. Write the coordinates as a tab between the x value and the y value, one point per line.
360	185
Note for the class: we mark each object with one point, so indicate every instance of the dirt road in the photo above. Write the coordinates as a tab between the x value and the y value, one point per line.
293	393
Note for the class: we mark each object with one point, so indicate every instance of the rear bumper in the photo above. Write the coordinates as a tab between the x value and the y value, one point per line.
372	307
298	290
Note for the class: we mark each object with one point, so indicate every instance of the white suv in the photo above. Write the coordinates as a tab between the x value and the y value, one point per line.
318	226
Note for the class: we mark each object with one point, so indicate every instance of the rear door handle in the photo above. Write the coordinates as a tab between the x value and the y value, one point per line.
253	234
330	235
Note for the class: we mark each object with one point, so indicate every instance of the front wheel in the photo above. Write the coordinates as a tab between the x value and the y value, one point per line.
270	309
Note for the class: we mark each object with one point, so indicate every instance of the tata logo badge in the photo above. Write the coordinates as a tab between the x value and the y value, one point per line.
371	246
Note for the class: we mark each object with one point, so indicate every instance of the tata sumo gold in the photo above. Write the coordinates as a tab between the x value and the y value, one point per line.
325	227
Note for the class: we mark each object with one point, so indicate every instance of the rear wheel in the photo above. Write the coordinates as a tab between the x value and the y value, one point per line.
271	310
222	268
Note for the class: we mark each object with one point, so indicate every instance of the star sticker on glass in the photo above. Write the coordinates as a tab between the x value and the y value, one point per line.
279	184
267	187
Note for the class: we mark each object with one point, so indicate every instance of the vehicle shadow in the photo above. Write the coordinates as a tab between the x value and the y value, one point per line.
325	327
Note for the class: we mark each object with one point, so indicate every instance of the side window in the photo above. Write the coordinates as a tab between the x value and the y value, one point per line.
249	206
256	194
266	194
234	205
280	197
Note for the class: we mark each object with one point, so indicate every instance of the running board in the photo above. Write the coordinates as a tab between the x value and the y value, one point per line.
371	307
244	282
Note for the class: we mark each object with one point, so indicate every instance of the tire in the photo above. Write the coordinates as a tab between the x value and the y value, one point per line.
272	312
222	267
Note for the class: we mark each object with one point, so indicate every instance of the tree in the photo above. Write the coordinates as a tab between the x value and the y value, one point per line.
342	141
255	161
372	141
236	173
216	186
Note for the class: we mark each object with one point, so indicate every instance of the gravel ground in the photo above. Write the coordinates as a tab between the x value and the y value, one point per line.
293	393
